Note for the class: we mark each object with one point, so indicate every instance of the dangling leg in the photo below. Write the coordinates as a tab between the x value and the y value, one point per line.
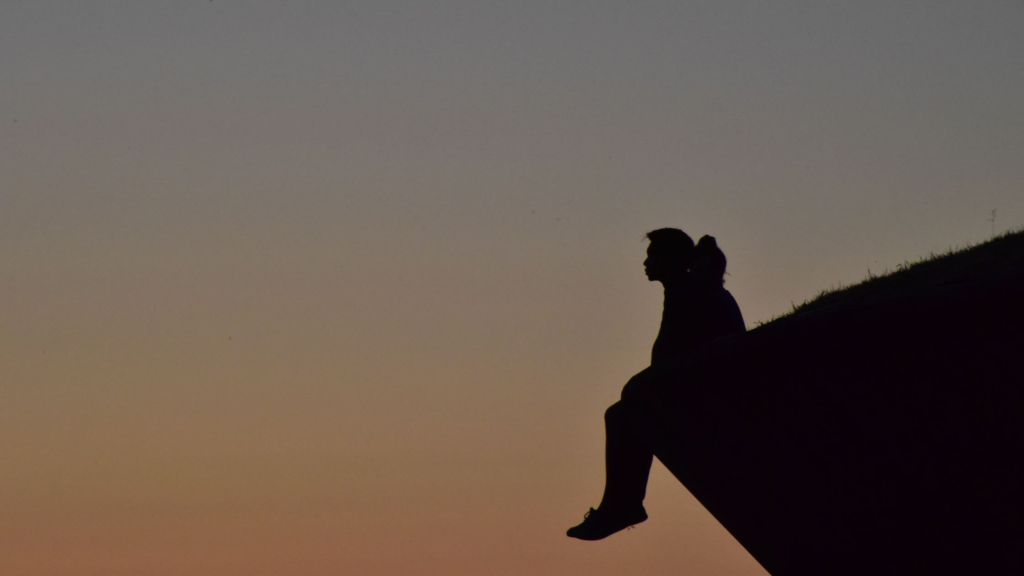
627	460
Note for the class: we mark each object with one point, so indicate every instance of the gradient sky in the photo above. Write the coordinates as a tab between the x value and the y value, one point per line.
323	288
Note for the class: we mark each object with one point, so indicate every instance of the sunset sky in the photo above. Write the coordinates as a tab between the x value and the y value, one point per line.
343	288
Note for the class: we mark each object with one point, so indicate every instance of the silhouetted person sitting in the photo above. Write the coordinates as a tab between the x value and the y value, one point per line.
697	310
709	266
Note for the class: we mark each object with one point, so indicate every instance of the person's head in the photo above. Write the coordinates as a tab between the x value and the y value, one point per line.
669	254
708	261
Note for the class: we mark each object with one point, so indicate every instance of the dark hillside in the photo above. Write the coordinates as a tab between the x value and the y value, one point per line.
999	257
878	430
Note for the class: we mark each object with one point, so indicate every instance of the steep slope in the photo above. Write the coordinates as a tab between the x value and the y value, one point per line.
879	430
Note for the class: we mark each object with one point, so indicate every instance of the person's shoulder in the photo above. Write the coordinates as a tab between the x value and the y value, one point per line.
727	297
691	284
690	291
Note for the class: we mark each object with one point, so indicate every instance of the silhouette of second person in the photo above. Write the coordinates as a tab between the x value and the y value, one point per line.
697	310
709	266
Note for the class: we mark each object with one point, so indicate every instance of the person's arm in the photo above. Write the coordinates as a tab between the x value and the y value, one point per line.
734	312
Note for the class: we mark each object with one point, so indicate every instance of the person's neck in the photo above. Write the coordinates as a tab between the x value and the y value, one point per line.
673	281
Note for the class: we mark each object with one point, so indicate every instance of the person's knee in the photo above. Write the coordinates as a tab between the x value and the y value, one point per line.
622	413
614	413
638	384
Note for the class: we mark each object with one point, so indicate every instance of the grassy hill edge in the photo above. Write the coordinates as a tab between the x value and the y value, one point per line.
999	257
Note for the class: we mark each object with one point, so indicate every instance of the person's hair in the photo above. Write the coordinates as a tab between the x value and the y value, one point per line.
709	259
675	244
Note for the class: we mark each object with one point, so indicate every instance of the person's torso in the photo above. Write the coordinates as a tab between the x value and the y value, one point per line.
694	314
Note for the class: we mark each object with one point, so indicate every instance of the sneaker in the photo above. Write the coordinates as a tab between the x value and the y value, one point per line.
598	524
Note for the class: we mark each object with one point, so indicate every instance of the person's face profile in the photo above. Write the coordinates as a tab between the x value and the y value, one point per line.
654	264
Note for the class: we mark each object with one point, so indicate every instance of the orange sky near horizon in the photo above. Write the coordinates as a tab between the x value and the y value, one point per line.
345	288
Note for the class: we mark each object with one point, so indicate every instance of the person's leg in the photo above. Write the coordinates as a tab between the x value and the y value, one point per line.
627	467
627	459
